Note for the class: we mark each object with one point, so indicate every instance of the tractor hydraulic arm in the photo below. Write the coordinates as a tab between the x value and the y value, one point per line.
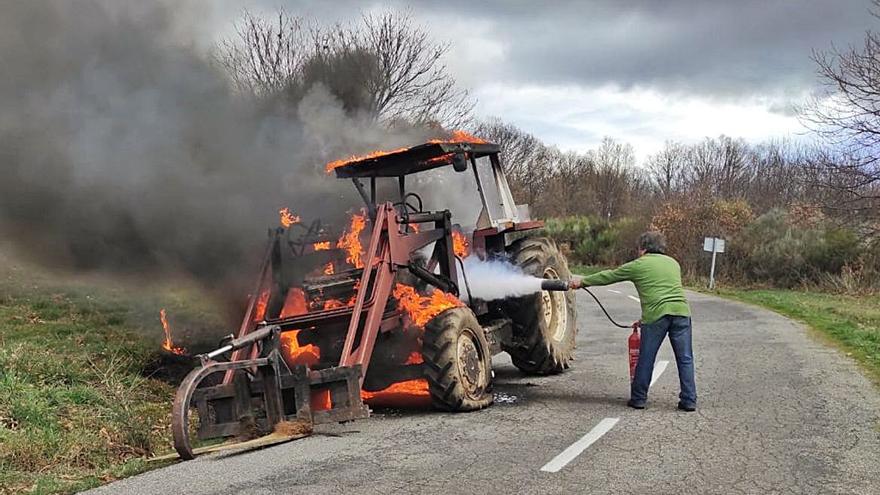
232	343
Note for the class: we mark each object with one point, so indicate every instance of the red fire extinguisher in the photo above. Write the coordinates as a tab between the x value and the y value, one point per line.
634	341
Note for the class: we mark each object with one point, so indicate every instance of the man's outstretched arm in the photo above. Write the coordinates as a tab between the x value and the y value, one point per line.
606	277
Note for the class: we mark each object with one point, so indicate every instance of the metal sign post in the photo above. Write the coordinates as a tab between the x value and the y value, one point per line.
714	245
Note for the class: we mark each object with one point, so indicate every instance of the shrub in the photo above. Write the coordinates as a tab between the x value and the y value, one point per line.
591	241
685	224
774	250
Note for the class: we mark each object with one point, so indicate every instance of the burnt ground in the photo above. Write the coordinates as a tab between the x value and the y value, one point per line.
779	413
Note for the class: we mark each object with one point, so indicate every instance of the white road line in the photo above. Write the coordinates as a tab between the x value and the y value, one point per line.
659	368
615	291
576	448
634	298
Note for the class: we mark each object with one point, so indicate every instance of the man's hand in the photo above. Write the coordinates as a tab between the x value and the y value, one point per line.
576	283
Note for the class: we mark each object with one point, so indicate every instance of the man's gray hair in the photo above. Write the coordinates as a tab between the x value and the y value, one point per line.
652	242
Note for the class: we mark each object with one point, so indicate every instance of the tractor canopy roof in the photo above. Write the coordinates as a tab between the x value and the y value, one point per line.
407	161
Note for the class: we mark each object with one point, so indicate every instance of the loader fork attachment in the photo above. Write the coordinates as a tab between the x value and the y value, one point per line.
262	393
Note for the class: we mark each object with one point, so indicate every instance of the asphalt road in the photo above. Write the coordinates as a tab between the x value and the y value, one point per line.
778	413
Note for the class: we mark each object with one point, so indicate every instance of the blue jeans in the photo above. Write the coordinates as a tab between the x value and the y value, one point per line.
679	330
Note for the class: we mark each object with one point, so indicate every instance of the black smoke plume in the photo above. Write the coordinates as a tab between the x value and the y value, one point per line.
124	148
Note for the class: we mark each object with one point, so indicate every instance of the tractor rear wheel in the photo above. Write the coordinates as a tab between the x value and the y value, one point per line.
544	324
458	363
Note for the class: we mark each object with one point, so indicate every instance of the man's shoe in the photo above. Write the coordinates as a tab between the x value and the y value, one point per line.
686	407
635	405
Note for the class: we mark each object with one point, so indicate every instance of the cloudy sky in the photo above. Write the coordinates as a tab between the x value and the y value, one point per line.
642	71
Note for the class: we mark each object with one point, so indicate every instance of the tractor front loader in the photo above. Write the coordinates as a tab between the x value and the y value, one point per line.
328	326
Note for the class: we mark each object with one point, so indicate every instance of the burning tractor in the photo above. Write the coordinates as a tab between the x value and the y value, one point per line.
336	323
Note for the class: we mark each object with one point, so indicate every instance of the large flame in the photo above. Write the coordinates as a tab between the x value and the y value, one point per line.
287	217
351	240
456	136
167	344
421	309
460	244
356	158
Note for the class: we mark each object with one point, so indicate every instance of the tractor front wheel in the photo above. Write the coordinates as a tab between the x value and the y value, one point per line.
458	365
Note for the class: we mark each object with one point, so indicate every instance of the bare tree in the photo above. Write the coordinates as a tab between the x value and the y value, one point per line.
569	184
411	80
666	167
266	55
733	171
614	164
383	65
526	159
848	116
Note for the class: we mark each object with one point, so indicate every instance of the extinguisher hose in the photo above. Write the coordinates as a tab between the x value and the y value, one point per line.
604	311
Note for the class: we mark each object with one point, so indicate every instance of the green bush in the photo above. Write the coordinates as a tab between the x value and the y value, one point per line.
837	247
773	250
591	241
779	248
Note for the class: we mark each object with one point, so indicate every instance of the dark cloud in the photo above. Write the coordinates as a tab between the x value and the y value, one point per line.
725	48
714	48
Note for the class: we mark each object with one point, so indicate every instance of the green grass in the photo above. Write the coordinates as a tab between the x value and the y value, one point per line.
851	322
78	407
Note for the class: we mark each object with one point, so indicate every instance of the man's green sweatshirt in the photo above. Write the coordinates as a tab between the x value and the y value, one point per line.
657	278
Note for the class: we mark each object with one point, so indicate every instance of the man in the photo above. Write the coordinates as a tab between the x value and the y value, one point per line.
665	310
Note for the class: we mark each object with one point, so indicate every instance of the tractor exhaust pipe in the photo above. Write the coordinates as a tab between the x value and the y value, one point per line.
555	284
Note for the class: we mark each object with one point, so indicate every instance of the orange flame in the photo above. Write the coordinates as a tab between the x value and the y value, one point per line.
411	393
294	303
440	159
294	353
321	246
461	246
351	241
288	218
356	158
167	344
415	358
421	309
262	304
459	136
307	355
328	268
334	303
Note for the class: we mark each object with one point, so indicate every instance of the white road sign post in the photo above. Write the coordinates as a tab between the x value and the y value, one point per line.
713	245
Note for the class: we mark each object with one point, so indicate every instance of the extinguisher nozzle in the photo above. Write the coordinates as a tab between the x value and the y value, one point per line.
555	284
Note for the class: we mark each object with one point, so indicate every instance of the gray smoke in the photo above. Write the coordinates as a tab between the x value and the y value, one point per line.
496	279
123	147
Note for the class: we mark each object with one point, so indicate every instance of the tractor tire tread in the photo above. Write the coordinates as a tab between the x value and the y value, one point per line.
441	372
